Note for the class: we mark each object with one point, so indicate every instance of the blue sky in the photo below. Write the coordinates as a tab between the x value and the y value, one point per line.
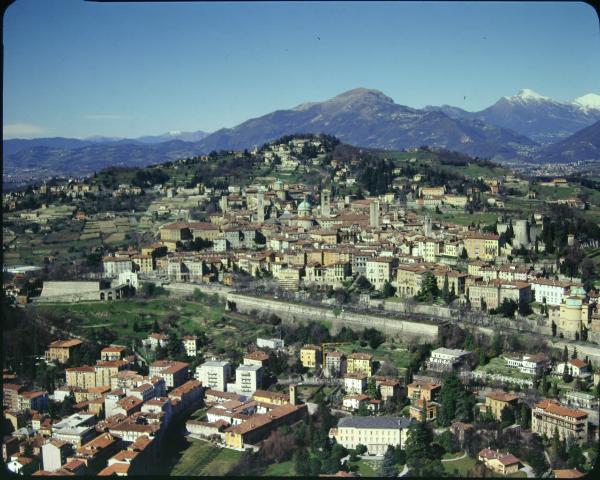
79	69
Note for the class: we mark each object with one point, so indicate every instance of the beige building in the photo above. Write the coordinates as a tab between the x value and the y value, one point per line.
62	350
82	377
547	416
376	433
380	270
498	462
483	246
496	401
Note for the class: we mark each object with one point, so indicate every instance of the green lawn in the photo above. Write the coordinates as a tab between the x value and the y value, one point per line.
498	366
367	468
224	332
463	466
283	469
204	459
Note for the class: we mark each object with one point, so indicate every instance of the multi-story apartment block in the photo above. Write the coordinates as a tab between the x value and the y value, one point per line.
548	416
81	377
106	369
214	374
360	363
272	343
380	270
335	363
482	246
423	391
355	383
311	356
376	433
248	379
444	359
174	373
112	353
549	291
190	343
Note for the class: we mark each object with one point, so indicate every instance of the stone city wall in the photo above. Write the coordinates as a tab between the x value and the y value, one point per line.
294	313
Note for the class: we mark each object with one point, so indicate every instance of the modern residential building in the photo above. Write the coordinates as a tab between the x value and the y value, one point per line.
446	359
214	374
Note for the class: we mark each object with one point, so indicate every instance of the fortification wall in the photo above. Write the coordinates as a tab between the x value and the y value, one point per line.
295	313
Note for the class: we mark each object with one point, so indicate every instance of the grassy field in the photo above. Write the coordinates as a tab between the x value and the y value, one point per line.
224	332
367	468
283	469
460	468
204	459
498	366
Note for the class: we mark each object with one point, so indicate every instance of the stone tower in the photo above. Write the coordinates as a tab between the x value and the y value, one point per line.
260	206
293	398
374	214
223	203
427	228
325	203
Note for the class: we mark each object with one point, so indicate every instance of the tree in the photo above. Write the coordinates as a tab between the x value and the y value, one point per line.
388	290
446	290
574	354
575	459
388	467
524	416
372	390
553	329
447	441
429	289
507	417
360	449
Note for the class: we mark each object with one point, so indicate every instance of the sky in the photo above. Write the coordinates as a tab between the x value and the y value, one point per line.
79	69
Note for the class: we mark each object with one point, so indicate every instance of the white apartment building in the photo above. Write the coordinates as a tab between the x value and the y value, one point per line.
190	344
355	383
550	291
76	429
443	359
214	374
272	343
376	433
379	270
248	379
530	364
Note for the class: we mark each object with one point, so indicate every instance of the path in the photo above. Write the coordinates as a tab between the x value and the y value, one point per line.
455	459
404	471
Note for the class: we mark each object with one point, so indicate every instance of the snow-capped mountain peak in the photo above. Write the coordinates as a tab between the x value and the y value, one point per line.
527	95
590	101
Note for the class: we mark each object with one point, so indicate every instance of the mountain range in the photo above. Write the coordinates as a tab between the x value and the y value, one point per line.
526	125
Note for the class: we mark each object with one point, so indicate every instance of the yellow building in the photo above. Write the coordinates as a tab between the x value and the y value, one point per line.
360	363
175	232
483	246
143	263
311	356
415	411
496	401
575	313
81	377
62	350
423	391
